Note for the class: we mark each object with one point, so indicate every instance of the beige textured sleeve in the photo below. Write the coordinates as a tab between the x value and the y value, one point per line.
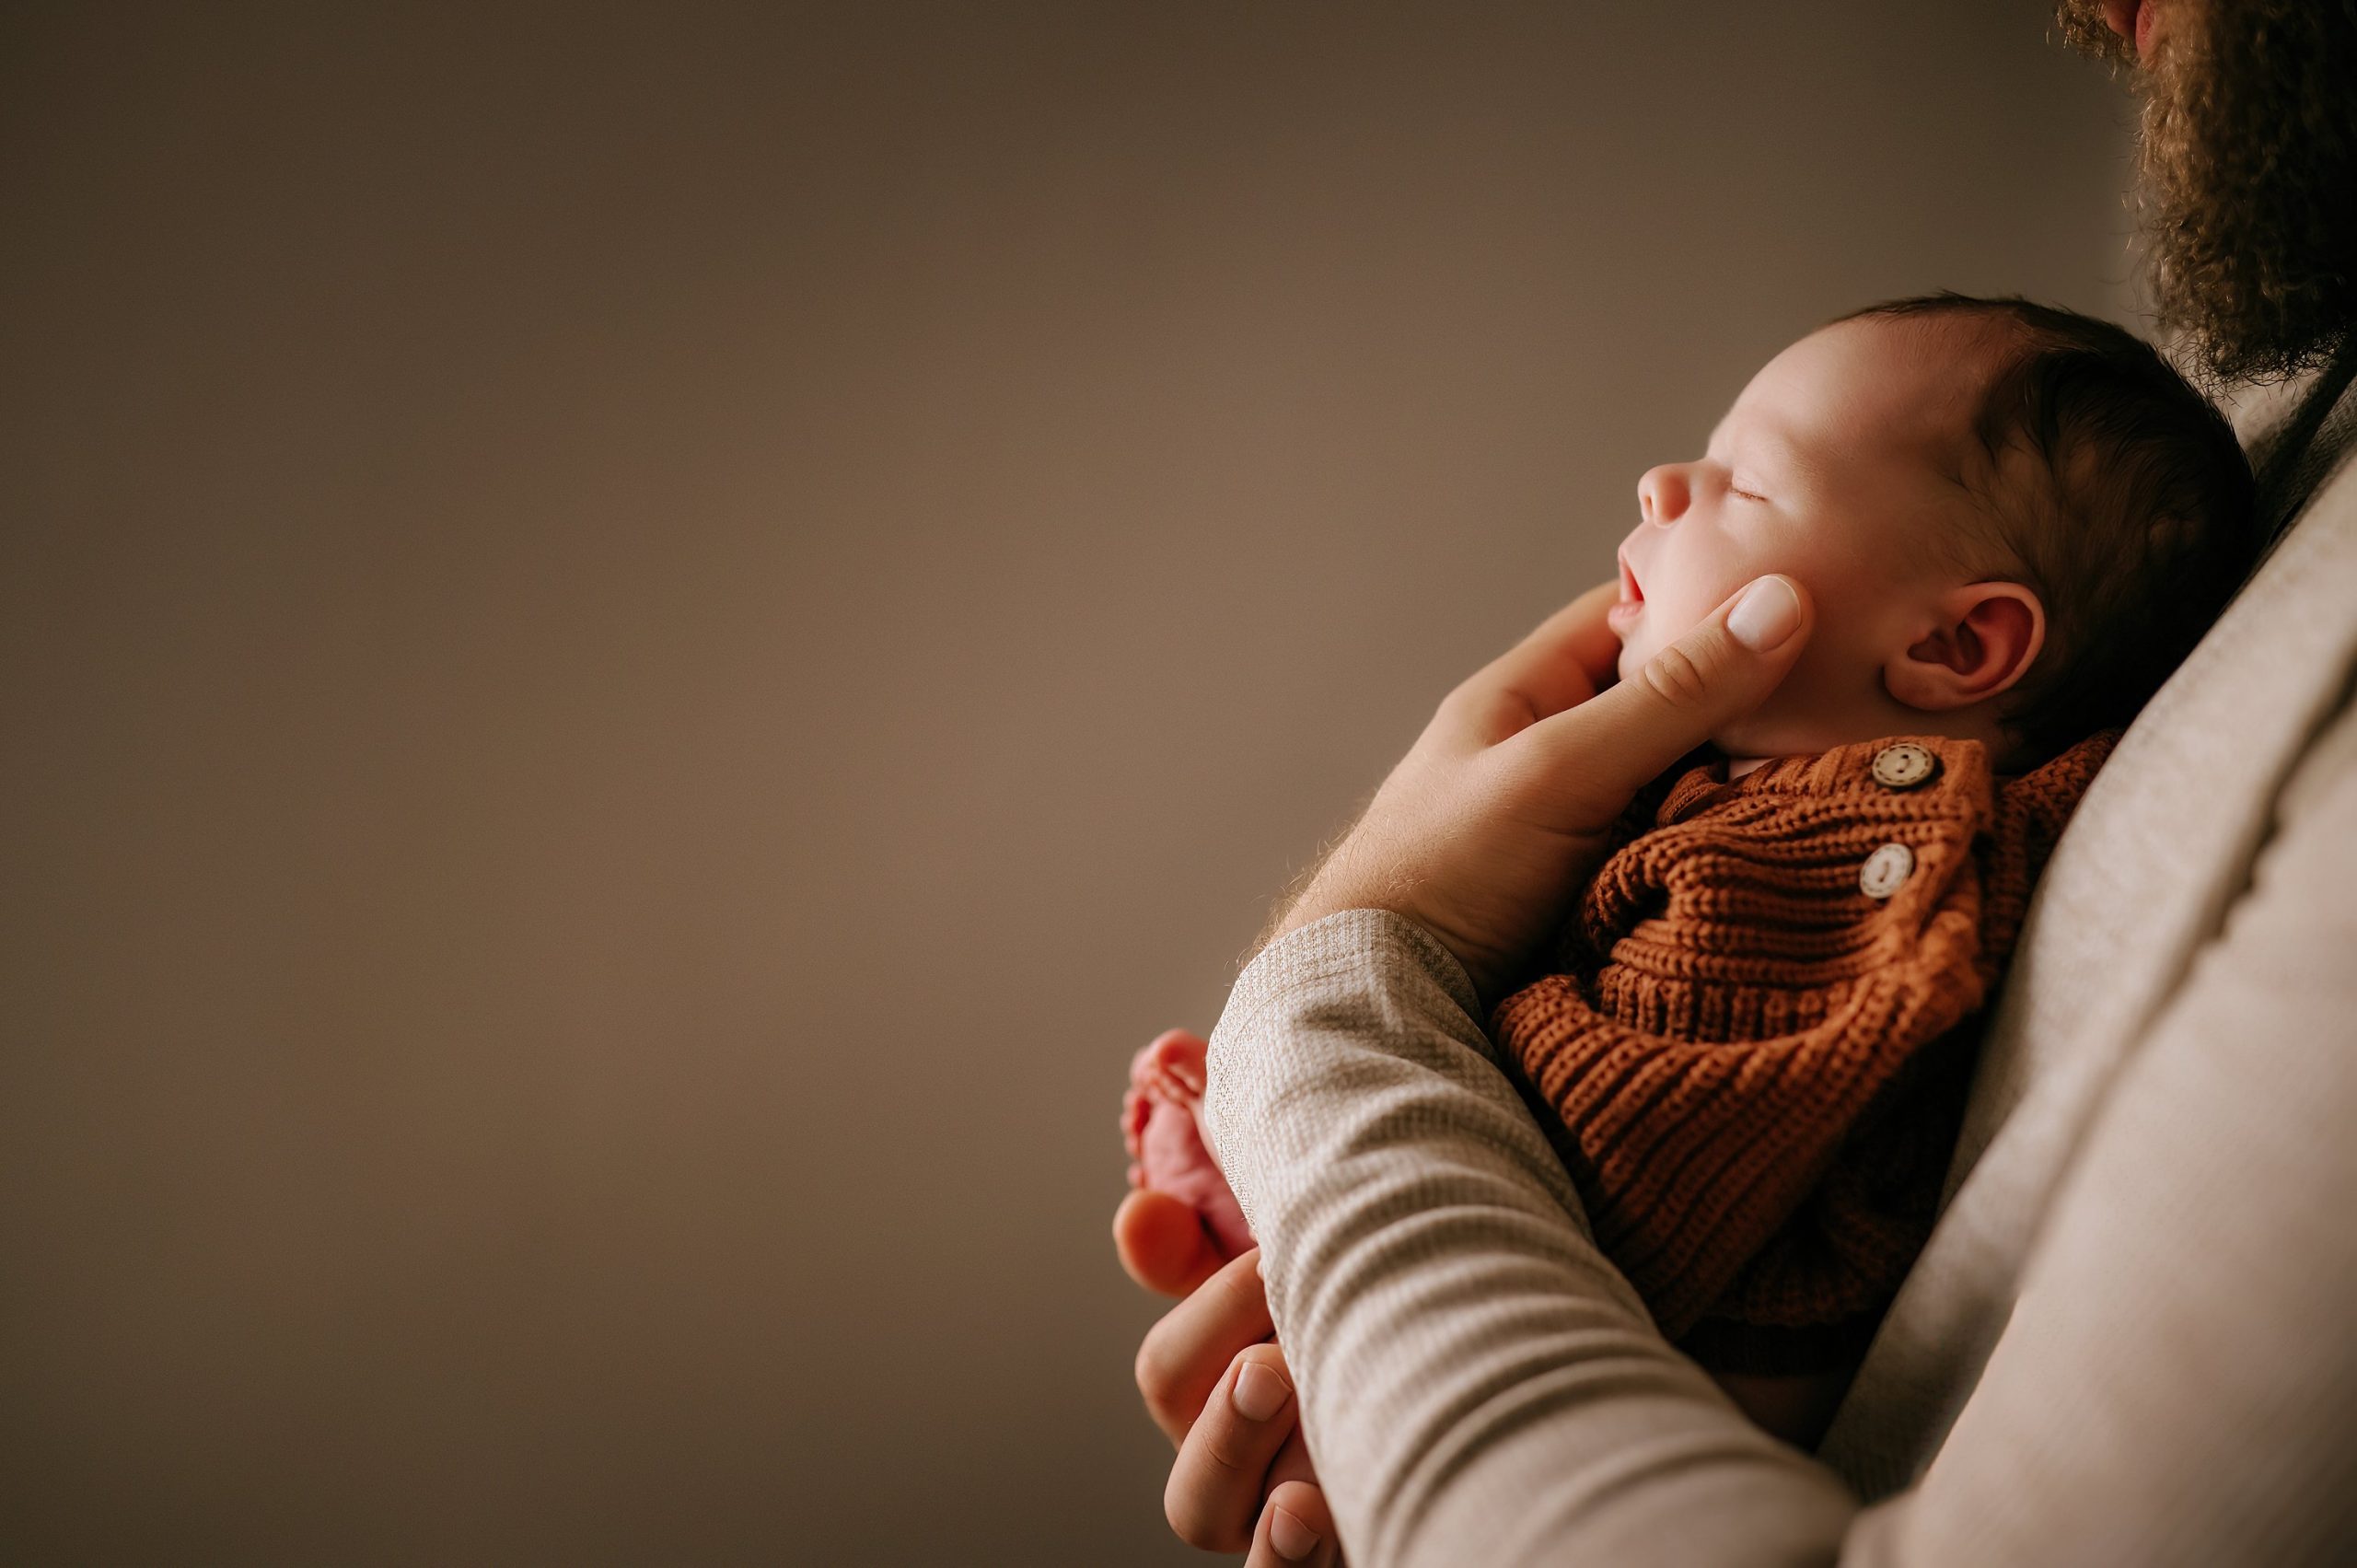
2177	1384
1478	1385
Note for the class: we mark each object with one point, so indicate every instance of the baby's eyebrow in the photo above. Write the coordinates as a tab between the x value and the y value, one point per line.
1792	457
1796	459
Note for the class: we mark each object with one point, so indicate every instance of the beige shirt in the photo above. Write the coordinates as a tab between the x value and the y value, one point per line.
2132	1337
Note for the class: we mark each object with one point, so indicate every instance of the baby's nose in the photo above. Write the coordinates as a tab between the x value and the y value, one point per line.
1662	494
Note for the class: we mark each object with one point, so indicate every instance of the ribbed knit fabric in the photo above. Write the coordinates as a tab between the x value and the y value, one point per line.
1754	1068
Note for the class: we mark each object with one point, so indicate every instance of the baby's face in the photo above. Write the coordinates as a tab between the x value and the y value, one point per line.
1830	469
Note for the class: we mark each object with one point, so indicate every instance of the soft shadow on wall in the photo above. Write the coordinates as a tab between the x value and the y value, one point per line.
641	643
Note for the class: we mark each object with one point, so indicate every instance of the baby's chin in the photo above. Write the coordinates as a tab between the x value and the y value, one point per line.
1644	634
1634	655
1636	650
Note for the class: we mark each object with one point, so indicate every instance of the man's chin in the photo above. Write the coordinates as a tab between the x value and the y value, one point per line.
2247	155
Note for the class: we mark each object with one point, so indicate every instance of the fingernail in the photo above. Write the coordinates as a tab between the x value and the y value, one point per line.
1768	612
1293	1539
1259	1393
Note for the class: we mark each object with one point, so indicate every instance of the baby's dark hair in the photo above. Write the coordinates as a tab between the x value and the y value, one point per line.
2134	517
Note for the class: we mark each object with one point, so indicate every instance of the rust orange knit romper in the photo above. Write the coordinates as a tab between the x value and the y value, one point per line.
1754	1057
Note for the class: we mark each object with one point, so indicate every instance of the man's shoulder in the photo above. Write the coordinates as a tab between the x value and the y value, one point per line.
2299	435
2165	839
2332	474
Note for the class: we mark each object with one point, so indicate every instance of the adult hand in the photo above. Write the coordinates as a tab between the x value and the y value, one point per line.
1219	1388
1480	834
1500	810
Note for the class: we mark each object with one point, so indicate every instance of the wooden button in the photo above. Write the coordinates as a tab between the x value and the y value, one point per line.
1886	871
1905	765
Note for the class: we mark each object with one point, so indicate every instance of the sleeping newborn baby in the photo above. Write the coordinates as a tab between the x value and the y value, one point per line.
1751	1043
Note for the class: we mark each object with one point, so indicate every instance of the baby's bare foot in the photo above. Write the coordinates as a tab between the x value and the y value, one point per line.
1161	1128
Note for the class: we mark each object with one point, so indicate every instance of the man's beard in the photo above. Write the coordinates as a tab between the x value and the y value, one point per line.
2247	175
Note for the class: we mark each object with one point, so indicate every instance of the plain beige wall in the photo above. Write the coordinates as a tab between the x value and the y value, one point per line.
641	643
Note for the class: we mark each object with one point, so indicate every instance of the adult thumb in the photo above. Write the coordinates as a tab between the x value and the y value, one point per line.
1614	743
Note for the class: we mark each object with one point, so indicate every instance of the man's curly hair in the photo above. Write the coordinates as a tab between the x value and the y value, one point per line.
2248	179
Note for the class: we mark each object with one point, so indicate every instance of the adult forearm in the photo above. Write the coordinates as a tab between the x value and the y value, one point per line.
1478	1383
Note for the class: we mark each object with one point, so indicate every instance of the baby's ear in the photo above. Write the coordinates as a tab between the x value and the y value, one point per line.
1983	639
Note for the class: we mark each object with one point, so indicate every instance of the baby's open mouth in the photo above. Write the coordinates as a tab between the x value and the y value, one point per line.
1631	604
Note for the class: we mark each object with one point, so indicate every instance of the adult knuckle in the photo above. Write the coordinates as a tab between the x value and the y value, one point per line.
1678	677
1179	1510
1466	707
1191	1504
1157	1376
1223	1459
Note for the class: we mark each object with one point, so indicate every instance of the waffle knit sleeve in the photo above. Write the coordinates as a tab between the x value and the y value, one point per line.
1479	1385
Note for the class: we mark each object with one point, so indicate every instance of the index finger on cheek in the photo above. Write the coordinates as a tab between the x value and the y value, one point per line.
1559	666
1185	1354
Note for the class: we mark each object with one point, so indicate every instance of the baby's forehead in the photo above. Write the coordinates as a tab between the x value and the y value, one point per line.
1905	388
